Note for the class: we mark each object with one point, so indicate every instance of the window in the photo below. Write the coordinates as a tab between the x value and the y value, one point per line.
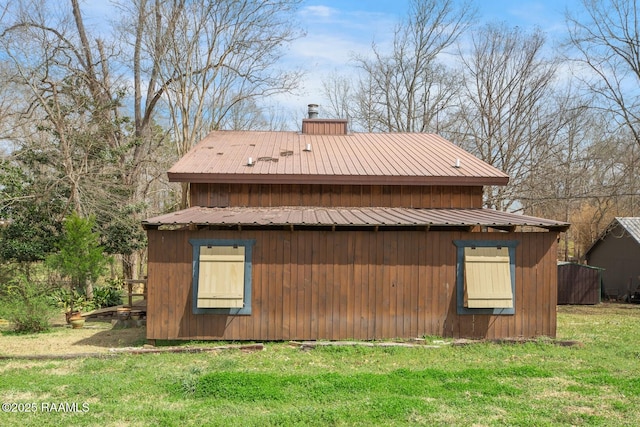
487	278
485	282
222	276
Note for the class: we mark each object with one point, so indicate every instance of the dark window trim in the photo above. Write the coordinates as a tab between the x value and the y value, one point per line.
248	257
460	245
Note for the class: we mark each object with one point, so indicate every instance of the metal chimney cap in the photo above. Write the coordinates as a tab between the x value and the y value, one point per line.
313	111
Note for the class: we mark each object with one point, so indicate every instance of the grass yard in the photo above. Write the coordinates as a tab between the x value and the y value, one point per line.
533	384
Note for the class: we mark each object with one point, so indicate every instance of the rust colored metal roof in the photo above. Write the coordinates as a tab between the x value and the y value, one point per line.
352	217
355	158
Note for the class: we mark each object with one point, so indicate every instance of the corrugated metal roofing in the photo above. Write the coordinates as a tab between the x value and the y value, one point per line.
355	158
317	216
632	225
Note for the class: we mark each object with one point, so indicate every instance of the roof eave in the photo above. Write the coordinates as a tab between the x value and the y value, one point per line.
453	226
208	178
612	225
447	218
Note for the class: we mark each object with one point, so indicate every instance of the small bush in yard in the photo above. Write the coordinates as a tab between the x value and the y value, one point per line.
108	295
27	305
79	257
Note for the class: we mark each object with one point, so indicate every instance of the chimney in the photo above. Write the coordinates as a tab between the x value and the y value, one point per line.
313	111
315	126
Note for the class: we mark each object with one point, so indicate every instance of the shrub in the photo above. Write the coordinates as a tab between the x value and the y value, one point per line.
27	305
80	256
68	299
108	295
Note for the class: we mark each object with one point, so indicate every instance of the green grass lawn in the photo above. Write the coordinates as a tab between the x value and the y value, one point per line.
533	384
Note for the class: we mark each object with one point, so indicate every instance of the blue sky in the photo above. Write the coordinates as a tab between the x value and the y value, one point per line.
337	29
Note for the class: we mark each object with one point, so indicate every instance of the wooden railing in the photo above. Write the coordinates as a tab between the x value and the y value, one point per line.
130	294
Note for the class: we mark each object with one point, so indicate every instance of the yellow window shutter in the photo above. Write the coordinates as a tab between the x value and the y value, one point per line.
487	277
221	277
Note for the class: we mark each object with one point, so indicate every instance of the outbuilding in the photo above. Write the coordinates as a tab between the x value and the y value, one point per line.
330	234
617	251
579	284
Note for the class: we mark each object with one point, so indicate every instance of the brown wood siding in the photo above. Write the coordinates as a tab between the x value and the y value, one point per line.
256	195
578	284
349	285
325	127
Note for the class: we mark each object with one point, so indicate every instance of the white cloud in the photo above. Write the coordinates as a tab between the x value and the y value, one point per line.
337	36
318	11
333	37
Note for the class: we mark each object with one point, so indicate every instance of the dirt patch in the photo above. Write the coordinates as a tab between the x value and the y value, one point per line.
95	337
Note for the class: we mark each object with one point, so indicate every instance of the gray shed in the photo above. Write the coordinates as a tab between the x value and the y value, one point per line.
579	284
617	251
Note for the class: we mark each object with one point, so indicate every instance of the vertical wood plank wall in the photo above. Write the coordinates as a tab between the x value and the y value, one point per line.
325	126
578	284
408	196
349	285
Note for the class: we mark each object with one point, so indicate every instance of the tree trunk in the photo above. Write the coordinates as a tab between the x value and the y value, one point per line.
128	262
186	199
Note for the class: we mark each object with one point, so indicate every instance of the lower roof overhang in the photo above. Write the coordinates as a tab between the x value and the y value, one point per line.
303	217
210	178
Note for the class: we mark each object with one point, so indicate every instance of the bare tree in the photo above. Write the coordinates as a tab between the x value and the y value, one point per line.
604	42
612	187
191	62
67	102
505	114
588	177
205	60
337	90
561	183
246	115
71	116
404	90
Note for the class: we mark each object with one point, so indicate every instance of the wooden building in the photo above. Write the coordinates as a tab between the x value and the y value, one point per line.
617	251
326	234
579	284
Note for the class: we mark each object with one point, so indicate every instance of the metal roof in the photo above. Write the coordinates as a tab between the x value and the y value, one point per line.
297	216
354	158
632	225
